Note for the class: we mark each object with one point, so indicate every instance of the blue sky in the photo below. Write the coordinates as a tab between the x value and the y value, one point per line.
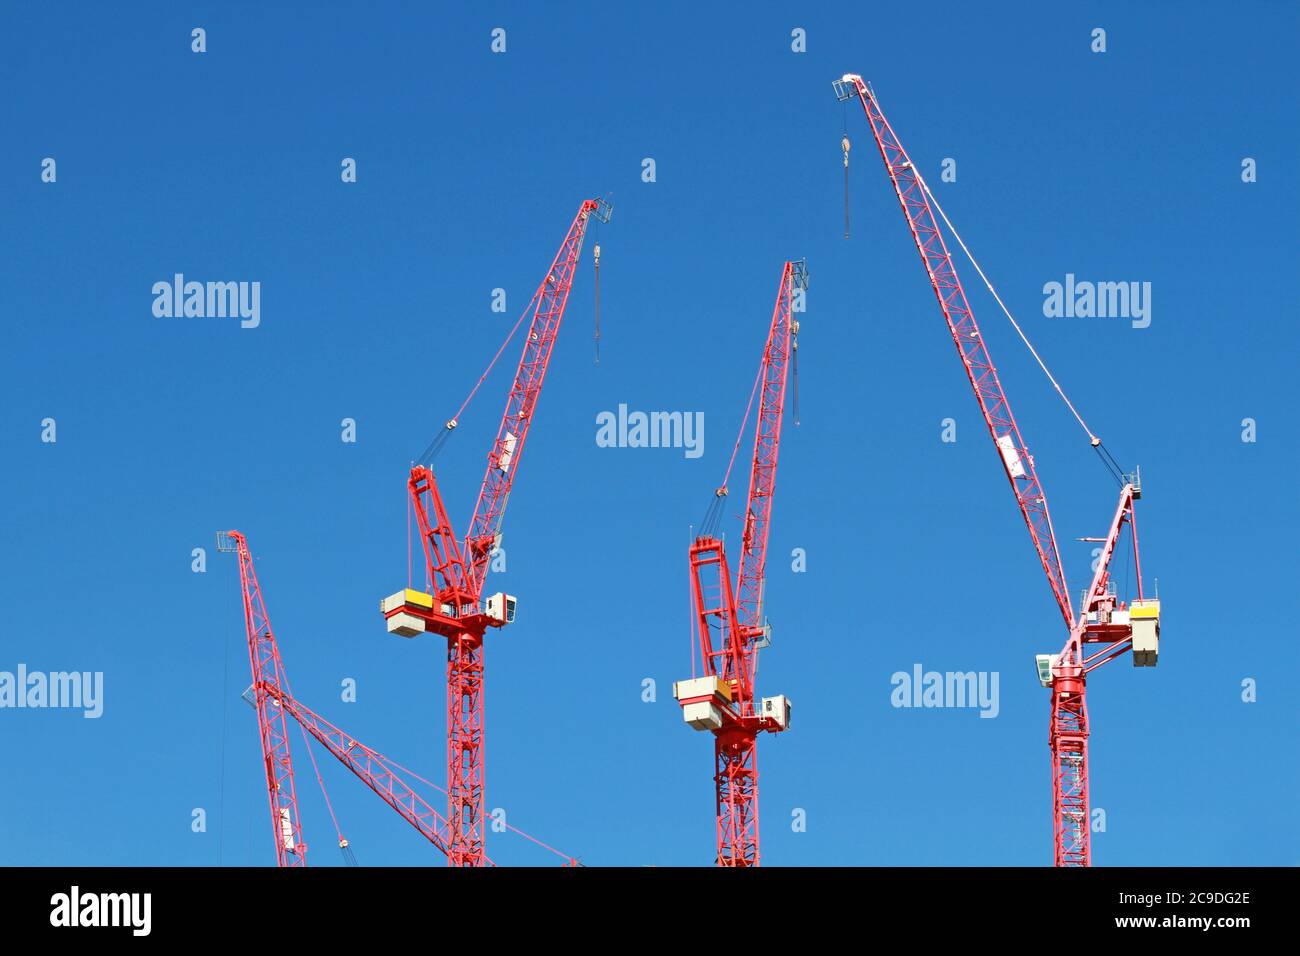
1120	166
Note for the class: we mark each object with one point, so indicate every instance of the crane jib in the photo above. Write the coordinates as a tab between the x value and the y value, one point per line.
521	401
773	376
1017	463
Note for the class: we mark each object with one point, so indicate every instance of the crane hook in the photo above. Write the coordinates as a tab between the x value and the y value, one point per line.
844	145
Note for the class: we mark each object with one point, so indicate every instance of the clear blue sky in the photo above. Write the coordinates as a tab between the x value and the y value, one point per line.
375	306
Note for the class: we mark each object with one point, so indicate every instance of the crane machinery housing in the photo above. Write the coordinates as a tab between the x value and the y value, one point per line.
731	624
451	603
1104	627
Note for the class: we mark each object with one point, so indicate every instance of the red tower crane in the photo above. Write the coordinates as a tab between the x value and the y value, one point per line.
731	624
1102	619
455	572
273	701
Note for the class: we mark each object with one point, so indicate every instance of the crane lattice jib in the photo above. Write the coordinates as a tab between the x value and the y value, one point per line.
767	447
373	770
268	681
1016	460
503	460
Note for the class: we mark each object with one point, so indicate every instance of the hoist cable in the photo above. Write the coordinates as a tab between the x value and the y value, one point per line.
1119	472
440	440
513	829
715	507
794	361
1110	464
1005	311
713	514
321	780
740	435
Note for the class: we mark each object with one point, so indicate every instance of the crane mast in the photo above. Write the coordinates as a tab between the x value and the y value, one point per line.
722	701
453	607
1102	619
